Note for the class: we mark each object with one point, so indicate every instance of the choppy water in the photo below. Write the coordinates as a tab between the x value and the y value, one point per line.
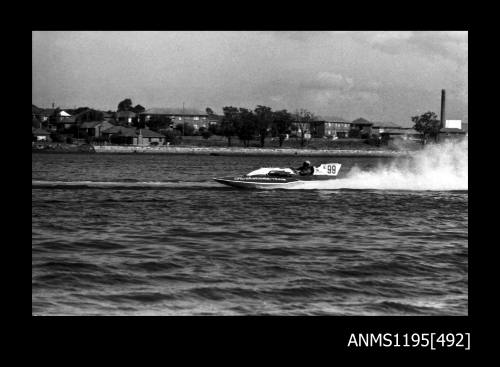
152	234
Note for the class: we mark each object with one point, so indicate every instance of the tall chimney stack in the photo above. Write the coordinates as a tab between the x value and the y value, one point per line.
443	108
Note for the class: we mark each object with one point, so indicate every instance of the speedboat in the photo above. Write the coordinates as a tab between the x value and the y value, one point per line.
275	178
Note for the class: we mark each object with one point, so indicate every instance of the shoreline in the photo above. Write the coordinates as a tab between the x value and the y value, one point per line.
237	151
217	151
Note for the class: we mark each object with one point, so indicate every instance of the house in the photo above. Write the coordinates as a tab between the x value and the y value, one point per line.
37	113
361	127
51	117
40	134
214	119
132	136
380	127
46	113
401	133
109	116
191	116
150	137
94	128
299	126
406	138
81	115
125	117
119	134
36	117
330	126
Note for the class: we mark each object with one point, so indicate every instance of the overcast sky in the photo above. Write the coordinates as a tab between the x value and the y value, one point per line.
381	76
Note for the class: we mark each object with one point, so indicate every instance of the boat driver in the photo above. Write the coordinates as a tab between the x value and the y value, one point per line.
306	169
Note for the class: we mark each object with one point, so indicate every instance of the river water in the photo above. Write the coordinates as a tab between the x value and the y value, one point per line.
154	235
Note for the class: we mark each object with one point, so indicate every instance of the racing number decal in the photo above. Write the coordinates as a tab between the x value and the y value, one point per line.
332	169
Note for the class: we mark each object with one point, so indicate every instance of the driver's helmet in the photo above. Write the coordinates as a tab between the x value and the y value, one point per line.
306	164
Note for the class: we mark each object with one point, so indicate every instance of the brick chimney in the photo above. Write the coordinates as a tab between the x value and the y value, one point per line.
443	108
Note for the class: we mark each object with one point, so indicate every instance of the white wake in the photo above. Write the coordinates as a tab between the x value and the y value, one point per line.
439	167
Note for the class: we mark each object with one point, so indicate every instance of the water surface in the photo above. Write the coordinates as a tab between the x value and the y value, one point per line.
153	234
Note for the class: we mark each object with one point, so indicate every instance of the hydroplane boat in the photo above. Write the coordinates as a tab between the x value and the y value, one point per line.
276	178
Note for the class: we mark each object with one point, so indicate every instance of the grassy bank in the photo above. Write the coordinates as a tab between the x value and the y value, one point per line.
218	146
234	151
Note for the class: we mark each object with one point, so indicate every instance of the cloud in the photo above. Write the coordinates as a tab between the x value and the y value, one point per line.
328	80
432	44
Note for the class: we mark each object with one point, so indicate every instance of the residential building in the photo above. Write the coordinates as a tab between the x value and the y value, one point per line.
361	127
81	116
132	136
191	116
125	117
37	113
380	127
214	119
330	126
401	133
299	126
40	134
109	117
52	117
401	138
94	128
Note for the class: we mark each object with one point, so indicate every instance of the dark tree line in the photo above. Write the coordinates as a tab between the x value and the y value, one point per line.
247	124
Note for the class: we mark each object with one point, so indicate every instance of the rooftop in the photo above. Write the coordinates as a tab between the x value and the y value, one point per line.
40	131
146	133
124	131
132	132
332	119
90	124
362	121
174	111
387	124
125	114
402	131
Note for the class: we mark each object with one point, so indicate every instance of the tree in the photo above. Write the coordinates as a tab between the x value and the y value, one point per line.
228	123
264	119
245	126
303	119
209	111
156	123
205	132
427	124
185	129
215	129
125	105
282	123
172	135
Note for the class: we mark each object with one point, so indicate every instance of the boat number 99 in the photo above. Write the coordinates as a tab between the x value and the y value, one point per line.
332	169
